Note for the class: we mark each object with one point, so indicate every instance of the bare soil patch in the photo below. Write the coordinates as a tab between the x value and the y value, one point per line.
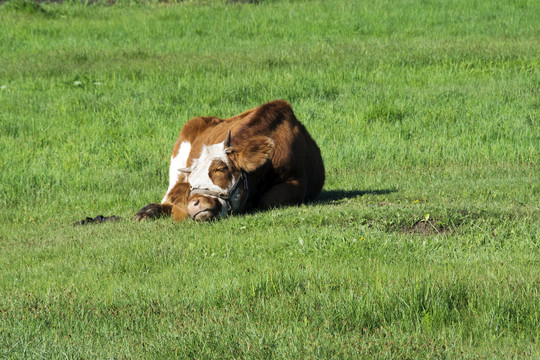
425	228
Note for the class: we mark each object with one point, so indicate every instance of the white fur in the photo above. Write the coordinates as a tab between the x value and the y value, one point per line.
178	162
199	178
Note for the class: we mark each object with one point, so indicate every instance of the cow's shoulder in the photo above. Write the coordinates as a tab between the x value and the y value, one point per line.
197	126
193	129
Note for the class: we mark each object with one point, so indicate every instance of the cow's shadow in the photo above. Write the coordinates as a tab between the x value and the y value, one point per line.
331	196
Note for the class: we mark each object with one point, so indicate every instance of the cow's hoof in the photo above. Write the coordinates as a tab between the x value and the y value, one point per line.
150	211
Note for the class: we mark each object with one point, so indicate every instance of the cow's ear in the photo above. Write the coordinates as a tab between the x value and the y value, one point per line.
254	154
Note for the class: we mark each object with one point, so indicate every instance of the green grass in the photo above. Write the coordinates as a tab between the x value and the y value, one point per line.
425	241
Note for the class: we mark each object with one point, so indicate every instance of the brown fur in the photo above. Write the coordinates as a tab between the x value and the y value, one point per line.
220	173
282	161
251	156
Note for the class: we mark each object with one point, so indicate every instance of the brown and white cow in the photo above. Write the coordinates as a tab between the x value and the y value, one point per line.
260	159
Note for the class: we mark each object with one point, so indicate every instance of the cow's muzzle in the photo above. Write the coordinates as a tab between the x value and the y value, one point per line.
204	208
204	200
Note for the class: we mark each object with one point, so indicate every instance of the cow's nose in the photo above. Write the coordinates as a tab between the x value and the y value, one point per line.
201	208
195	206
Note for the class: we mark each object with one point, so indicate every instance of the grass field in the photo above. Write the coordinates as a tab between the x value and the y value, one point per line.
425	242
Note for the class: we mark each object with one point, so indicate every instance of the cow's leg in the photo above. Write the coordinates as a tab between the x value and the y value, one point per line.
180	213
152	211
174	204
291	192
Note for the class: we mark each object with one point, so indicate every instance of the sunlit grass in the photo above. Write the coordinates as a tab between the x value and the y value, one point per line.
423	243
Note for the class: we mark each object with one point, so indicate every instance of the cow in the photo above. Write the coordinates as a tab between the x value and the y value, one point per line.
260	159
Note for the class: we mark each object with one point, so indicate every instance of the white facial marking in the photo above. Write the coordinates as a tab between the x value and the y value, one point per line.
199	178
178	162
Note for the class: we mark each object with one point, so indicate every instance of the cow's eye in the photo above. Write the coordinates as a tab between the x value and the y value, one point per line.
221	169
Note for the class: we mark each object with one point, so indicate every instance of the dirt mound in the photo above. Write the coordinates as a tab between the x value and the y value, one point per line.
425	227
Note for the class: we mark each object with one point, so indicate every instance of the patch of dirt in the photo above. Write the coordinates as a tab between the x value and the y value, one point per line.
425	228
98	219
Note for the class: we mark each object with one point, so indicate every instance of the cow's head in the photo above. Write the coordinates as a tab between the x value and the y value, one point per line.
218	177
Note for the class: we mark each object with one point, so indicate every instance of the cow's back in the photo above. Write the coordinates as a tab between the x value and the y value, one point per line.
314	167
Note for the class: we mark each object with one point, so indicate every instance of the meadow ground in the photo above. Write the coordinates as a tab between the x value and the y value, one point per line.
424	243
